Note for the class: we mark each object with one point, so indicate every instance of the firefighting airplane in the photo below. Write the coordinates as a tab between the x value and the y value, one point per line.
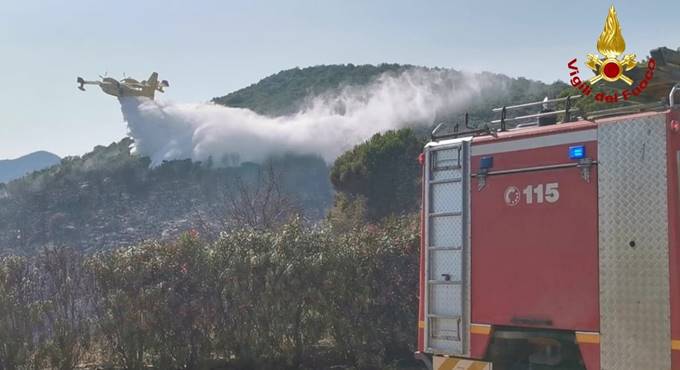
127	86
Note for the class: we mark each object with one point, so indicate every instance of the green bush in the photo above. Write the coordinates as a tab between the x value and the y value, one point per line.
19	313
370	296
295	297
384	171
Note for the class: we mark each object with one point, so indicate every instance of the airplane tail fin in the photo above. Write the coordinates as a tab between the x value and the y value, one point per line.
81	82
151	86
153	80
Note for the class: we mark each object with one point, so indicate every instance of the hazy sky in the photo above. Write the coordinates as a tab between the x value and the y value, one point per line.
209	48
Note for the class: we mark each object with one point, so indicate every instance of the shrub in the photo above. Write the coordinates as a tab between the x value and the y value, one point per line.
293	297
19	313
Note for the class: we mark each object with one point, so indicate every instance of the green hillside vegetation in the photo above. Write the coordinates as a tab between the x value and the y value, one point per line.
383	173
379	178
285	92
111	197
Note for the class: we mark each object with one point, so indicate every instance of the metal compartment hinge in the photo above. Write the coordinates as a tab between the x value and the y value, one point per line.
585	165
481	178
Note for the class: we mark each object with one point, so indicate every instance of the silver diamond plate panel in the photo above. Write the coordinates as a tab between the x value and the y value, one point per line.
633	245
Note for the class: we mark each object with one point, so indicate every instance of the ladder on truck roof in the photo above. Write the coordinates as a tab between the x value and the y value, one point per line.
447	249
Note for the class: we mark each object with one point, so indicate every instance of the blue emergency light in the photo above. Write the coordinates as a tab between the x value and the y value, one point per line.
577	152
486	163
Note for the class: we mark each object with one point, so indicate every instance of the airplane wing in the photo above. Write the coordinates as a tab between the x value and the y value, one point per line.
134	85
82	82
132	82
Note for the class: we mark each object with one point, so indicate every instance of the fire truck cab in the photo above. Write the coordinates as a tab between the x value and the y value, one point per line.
553	245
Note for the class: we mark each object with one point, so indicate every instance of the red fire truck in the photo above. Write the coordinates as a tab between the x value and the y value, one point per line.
553	245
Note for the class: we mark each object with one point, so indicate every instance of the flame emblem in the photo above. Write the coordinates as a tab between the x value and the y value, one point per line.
611	45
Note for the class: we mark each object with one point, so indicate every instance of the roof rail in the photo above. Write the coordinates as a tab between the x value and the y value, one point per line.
553	113
491	128
499	125
453	130
636	108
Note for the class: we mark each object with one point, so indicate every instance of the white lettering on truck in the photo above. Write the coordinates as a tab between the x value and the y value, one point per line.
532	194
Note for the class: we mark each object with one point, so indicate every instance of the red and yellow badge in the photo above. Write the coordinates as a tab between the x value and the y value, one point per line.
611	66
611	45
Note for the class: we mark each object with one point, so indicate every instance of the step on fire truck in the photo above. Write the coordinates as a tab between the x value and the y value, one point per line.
553	245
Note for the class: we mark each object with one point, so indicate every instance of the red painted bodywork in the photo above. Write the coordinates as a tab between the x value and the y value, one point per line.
478	345
421	284
535	132
590	353
550	279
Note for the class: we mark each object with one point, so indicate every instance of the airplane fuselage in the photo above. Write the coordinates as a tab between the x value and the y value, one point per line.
115	88
127	86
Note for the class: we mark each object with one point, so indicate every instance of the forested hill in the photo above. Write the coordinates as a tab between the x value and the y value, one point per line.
286	92
110	197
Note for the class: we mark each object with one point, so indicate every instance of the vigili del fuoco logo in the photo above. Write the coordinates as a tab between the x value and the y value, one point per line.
610	66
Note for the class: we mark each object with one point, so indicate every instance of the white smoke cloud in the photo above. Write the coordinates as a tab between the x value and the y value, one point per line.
329	125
